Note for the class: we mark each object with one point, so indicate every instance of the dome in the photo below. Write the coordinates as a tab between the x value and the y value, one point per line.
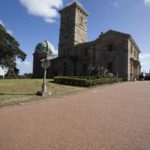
44	46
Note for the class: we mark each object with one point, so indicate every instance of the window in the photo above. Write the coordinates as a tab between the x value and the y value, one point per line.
135	53
67	19
131	49
110	47
66	36
137	56
84	67
85	52
65	69
110	66
64	51
81	20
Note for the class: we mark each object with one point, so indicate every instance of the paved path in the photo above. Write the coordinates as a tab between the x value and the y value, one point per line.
113	117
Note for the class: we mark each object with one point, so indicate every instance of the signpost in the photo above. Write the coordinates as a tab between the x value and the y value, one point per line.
45	65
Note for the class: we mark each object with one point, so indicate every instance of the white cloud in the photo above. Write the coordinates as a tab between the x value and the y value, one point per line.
116	4
23	63
8	31
47	9
145	61
147	2
49	20
2	23
24	67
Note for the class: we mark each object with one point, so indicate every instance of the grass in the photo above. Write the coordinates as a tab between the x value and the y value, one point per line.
23	90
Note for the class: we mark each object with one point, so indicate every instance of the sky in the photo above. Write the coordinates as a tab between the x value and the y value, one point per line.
33	21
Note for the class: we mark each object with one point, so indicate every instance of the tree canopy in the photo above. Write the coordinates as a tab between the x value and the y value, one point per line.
9	49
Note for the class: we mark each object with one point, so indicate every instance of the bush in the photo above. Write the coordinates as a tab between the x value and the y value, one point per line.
85	82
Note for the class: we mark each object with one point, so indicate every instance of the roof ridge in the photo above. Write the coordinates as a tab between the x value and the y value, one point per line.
118	32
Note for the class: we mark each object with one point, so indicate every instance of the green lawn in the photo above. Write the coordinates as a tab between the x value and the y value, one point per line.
22	90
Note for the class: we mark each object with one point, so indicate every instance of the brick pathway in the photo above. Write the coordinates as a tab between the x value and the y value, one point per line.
115	117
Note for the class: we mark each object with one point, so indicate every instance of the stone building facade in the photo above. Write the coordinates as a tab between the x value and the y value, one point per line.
113	50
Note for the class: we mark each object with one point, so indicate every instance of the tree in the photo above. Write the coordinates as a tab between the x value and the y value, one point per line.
97	71
9	50
16	70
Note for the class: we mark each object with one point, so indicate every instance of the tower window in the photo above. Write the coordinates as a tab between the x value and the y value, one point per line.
67	19
64	51
66	36
65	69
110	47
81	20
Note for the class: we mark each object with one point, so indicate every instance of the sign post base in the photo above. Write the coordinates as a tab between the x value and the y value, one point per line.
40	93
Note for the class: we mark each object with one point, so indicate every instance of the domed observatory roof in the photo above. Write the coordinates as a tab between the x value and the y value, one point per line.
44	47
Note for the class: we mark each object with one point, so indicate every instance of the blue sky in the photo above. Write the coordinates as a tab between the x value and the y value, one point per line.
32	21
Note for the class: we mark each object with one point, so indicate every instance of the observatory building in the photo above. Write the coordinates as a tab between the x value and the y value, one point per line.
116	51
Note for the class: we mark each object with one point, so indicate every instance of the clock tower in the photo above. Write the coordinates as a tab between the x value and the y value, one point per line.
73	28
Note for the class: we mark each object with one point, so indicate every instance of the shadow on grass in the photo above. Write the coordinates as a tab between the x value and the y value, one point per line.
16	94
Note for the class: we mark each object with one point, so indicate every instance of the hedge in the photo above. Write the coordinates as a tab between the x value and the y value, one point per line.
77	81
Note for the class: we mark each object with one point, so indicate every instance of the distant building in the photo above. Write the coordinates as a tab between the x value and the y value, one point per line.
116	51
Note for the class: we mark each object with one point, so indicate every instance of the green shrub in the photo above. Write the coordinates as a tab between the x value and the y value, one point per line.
84	81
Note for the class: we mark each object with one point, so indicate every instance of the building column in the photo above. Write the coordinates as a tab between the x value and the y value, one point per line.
131	70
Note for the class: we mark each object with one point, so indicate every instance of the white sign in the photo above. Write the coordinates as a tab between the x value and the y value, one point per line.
45	64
